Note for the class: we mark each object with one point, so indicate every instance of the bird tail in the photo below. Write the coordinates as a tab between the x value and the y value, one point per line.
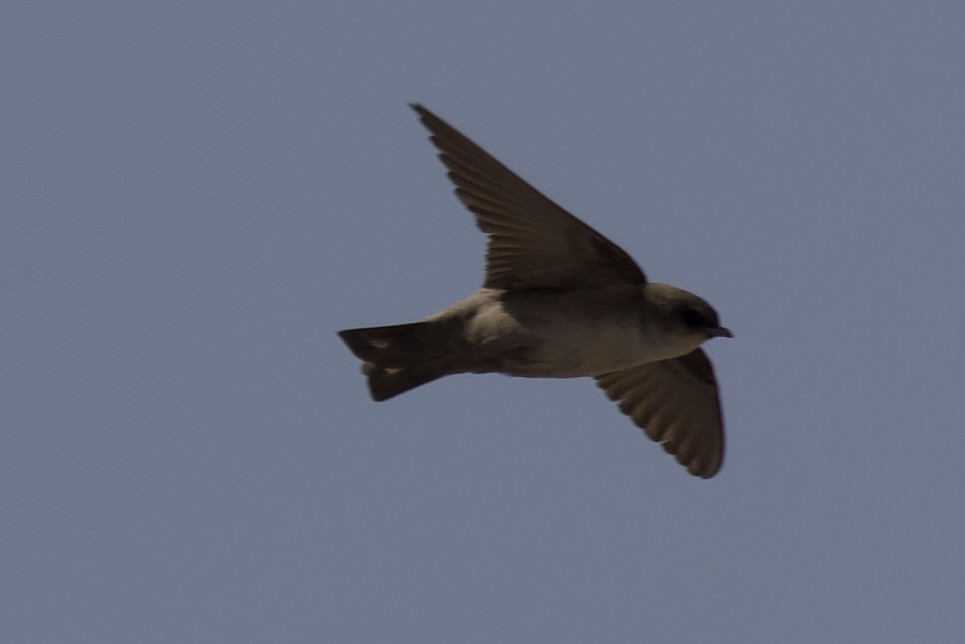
396	358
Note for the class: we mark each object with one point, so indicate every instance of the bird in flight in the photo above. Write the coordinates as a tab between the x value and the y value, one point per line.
559	300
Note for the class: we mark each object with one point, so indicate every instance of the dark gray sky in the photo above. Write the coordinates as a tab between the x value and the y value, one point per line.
197	195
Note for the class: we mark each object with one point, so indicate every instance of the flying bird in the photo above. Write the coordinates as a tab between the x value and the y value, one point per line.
559	300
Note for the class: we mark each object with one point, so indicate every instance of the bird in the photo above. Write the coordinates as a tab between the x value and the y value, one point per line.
558	300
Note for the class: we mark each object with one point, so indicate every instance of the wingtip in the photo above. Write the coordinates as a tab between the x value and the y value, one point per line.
702	469
429	118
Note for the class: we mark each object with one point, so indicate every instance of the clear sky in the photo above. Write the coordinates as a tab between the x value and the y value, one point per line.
194	197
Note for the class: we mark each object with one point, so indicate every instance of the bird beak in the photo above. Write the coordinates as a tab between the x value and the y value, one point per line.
720	332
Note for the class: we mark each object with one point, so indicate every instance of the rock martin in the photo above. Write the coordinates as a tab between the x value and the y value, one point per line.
559	300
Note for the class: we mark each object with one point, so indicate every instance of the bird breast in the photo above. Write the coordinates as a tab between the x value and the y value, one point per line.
560	335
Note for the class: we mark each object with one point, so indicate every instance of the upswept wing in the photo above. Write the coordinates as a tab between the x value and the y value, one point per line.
533	243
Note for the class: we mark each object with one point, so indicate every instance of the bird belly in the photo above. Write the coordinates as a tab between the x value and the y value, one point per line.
569	350
552	343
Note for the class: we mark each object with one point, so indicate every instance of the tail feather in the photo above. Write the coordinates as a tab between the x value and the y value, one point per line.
385	383
396	358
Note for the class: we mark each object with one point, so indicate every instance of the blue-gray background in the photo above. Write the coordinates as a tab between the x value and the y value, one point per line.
197	195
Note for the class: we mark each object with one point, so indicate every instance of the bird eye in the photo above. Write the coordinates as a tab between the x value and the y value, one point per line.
693	318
